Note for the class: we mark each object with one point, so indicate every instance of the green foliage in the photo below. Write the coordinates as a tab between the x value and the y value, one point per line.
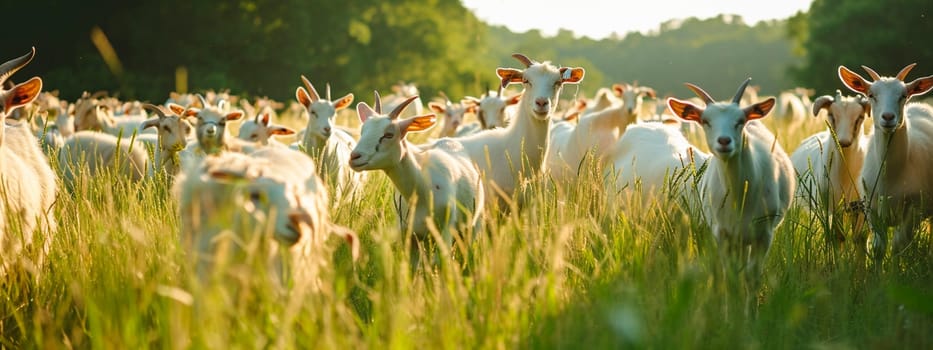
568	271
885	36
260	47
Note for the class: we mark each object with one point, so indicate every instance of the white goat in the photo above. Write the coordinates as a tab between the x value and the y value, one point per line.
401	92
749	183
29	184
329	147
92	114
491	109
260	130
231	203
646	159
438	185
633	97
593	134
100	153
173	135
211	131
897	170
453	116
828	171
508	156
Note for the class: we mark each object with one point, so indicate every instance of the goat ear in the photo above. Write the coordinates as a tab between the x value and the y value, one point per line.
264	119
649	92
853	81
685	110
281	130
190	112
571	75
920	86
419	123
820	103
302	96
233	116
509	76
148	123
572	115
437	107
618	89
759	110
22	94
343	102
364	111
176	109
514	99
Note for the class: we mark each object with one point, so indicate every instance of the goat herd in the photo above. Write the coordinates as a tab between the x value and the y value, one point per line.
745	184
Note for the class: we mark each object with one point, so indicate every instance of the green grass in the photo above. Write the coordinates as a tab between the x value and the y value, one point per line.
566	271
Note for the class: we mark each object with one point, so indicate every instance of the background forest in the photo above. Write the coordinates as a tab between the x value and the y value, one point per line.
260	47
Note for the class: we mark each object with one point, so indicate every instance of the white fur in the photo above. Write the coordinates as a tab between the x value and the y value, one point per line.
438	185
328	145
645	160
508	156
99	152
828	172
28	182
229	203
174	133
260	130
594	133
897	169
748	186
94	114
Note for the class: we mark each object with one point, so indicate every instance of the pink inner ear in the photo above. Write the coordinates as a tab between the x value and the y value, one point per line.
364	111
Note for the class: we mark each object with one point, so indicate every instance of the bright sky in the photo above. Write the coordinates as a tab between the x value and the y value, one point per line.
599	18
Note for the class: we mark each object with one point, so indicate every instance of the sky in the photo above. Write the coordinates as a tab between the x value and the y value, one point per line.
597	19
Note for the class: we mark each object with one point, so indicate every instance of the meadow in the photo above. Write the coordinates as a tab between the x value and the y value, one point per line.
575	267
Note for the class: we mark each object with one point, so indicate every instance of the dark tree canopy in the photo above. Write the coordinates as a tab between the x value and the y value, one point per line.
883	35
260	47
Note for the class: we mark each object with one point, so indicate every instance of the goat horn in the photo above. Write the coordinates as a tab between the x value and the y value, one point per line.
311	90
401	107
7	69
700	93
158	110
445	97
741	91
871	72
523	59
499	92
838	95
377	106
203	101
903	74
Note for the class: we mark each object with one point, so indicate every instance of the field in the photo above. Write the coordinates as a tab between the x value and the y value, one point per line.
567	270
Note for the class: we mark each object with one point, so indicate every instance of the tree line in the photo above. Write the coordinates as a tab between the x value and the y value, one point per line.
260	47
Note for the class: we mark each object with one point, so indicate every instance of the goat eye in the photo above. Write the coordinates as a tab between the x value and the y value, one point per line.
704	122
256	196
388	135
165	127
903	97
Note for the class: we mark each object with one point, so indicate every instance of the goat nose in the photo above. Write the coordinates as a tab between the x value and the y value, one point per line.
327	130
888	116
725	141
355	155
541	102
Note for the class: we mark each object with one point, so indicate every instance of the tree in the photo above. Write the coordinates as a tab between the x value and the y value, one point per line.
885	36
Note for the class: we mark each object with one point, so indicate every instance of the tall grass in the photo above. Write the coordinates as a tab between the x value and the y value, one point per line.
572	269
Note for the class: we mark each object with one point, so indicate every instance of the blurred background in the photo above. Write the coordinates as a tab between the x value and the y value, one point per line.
145	49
